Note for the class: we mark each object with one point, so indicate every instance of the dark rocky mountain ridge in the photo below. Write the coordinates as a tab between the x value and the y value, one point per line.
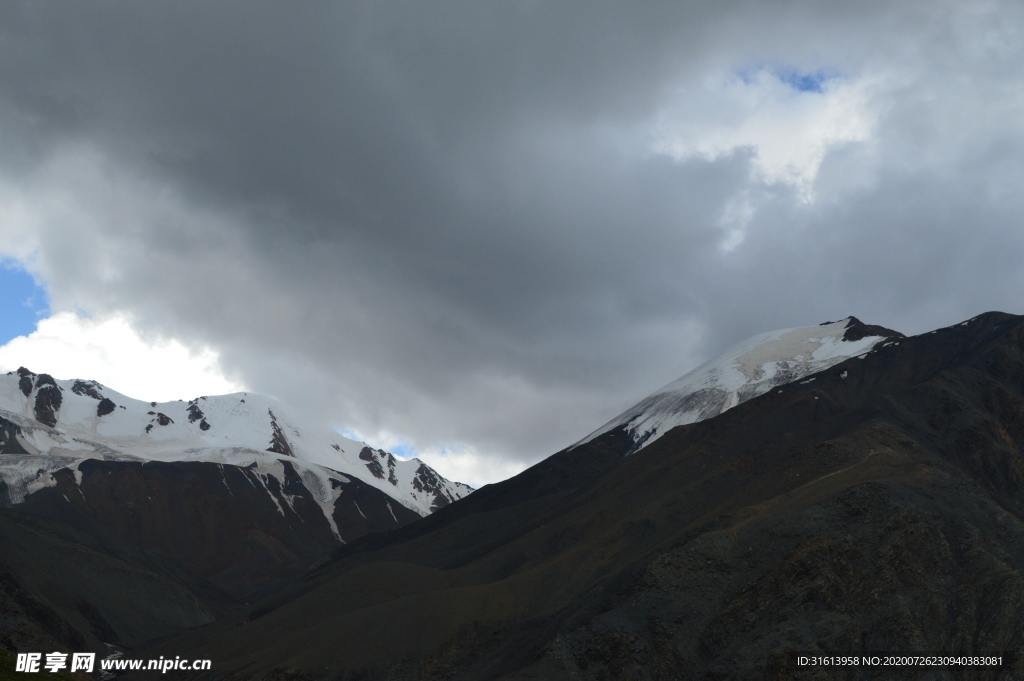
77	420
879	507
188	541
875	506
189	538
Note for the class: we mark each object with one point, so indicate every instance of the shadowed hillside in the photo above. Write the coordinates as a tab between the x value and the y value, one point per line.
877	507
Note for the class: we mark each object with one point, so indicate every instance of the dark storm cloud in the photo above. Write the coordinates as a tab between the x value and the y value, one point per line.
448	220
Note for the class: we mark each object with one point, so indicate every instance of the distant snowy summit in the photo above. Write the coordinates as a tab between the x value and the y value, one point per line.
48	424
746	370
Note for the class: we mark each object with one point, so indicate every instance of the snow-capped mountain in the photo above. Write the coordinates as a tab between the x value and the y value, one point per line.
746	370
53	424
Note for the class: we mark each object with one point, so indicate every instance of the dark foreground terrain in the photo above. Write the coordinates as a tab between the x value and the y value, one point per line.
877	508
132	551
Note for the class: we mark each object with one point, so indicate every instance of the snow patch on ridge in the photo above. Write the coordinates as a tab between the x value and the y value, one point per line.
748	369
235	429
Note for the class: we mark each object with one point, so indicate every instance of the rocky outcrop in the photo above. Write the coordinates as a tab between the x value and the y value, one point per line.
856	330
278	441
25	382
159	419
427	481
9	444
106	406
48	400
372	464
87	388
196	414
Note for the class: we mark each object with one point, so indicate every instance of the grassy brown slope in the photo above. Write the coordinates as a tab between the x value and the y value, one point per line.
60	589
812	518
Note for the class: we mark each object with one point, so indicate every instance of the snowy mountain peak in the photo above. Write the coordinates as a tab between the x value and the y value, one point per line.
76	419
746	370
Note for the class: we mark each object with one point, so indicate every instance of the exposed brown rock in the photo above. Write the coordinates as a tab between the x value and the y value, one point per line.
856	330
426	480
48	400
392	478
194	412
105	407
86	388
373	465
278	442
9	443
25	382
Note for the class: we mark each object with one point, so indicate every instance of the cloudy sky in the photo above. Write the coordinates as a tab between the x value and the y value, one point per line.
477	230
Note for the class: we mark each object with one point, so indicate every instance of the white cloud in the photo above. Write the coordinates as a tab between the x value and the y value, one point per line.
466	464
67	345
459	463
788	129
504	276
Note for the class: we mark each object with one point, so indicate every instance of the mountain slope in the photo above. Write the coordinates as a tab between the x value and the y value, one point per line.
233	489
879	507
245	530
61	589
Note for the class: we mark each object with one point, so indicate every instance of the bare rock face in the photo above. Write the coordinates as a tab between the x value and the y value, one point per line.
392	478
278	442
194	412
25	382
87	388
159	419
856	330
105	407
426	480
9	440
92	389
371	463
48	400
376	461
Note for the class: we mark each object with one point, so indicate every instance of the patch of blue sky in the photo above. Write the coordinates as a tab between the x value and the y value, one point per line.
22	302
403	451
797	79
804	81
349	433
400	447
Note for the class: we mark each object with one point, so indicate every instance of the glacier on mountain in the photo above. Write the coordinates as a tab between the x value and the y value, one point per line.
744	371
92	421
